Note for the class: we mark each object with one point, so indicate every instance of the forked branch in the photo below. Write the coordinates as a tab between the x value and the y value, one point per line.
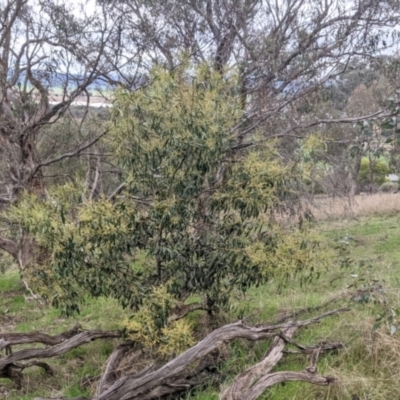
188	370
132	387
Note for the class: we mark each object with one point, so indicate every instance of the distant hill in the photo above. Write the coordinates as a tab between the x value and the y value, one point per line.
58	80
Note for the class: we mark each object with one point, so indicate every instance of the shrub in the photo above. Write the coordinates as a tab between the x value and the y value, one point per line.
191	221
389	187
379	172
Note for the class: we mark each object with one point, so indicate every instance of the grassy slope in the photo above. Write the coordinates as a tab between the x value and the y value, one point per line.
368	367
19	315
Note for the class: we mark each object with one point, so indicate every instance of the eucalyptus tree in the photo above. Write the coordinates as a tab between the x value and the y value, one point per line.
51	54
364	89
285	50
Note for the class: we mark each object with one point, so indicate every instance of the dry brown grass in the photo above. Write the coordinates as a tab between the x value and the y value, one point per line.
327	208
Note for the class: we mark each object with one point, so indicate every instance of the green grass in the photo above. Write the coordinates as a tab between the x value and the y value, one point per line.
367	368
9	282
369	365
20	315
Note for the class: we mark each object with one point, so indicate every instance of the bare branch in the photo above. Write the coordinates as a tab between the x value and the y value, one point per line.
185	309
287	133
38	337
117	191
131	388
109	375
9	246
69	155
58	349
175	376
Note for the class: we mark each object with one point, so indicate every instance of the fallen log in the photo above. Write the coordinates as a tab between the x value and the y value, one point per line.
10	366
59	349
13	371
192	367
246	379
253	382
132	387
13	339
110	374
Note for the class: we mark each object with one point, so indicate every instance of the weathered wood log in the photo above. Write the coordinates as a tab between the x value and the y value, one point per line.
137	388
189	379
4	344
109	376
59	349
11	369
245	380
253	382
38	337
187	370
285	376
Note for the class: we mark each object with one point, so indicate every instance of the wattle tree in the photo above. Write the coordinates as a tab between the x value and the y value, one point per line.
192	222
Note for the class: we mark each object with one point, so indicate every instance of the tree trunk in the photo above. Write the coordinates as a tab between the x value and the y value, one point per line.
353	190
24	175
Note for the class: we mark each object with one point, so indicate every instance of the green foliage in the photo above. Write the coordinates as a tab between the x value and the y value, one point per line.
377	171
310	155
191	219
81	241
5	262
389	187
150	327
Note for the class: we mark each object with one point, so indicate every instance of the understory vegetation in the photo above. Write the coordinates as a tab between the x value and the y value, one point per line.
366	277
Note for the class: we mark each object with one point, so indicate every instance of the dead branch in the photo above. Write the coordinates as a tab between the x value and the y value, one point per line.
253	382
59	349
38	337
4	344
131	387
117	191
110	372
70	154
9	246
33	295
184	309
244	381
14	371
279	377
190	378
188	370
11	368
60	398
307	310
